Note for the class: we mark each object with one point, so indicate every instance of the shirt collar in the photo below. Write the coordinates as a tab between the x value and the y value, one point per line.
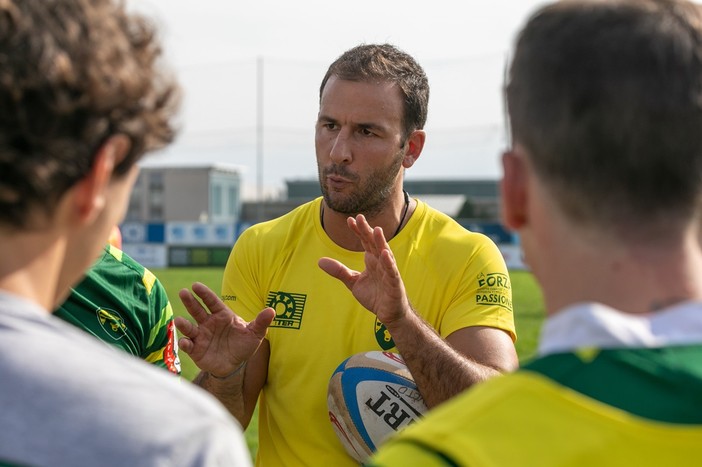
596	325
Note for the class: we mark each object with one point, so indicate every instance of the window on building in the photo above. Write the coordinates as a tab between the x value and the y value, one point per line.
134	208
156	198
156	181
217	200
233	201
156	206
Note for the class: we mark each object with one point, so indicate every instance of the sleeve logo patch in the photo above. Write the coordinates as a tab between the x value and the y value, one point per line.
288	309
494	289
382	336
170	353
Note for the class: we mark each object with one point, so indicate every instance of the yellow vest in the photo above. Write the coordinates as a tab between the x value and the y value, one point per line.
525	419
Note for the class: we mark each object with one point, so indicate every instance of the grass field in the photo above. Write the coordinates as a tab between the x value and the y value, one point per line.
527	301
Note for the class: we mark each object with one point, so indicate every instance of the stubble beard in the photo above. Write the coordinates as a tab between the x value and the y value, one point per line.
371	195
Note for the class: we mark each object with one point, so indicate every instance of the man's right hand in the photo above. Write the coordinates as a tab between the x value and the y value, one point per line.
219	341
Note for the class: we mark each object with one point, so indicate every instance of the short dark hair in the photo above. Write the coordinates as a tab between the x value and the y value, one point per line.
385	62
72	74
606	97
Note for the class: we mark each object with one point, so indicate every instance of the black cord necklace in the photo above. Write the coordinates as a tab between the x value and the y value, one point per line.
399	226
404	213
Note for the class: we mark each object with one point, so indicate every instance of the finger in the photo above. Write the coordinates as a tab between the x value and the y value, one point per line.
365	233
379	240
193	306
211	300
186	345
185	327
392	277
388	261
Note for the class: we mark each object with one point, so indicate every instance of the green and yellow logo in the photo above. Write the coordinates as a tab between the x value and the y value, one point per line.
494	289
288	309
112	323
382	336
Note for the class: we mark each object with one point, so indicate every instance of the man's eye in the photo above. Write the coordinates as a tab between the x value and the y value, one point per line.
366	132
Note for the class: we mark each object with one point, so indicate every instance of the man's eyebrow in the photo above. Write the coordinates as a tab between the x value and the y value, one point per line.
325	118
364	125
376	127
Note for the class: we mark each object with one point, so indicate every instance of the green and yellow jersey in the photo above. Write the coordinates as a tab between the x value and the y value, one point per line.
454	279
122	303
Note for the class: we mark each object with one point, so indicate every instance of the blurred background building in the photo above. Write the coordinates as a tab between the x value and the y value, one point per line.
191	214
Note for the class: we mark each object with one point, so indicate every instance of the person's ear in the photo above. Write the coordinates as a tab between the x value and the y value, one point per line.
415	144
514	190
91	192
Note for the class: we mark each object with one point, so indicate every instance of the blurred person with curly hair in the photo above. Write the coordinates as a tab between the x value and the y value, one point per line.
83	98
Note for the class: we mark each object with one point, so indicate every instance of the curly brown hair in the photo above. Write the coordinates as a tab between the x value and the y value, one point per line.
72	74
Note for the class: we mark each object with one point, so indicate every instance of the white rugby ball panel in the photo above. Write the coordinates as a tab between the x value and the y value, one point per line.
371	396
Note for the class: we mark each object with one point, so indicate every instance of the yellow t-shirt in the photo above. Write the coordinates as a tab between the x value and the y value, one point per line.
526	419
454	279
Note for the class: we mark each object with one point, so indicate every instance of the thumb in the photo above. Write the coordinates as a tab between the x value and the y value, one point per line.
260	324
337	270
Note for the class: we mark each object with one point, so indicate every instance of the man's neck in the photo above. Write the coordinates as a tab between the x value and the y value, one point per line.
629	277
391	219
31	266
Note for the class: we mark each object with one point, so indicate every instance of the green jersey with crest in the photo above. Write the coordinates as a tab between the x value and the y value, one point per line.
454	279
122	303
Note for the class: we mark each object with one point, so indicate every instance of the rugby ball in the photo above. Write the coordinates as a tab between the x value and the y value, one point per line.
371	395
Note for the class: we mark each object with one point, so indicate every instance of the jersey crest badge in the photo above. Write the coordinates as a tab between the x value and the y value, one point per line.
112	323
288	307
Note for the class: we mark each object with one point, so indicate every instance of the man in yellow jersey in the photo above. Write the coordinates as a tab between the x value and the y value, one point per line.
603	181
373	106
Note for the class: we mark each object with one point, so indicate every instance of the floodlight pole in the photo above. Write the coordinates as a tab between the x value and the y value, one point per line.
259	137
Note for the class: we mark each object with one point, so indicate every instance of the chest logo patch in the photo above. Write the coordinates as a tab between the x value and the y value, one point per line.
288	307
382	336
112	323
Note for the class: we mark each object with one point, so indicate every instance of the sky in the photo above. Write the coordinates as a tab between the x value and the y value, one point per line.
225	54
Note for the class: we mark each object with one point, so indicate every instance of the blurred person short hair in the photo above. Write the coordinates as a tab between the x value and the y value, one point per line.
606	97
386	63
72	74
